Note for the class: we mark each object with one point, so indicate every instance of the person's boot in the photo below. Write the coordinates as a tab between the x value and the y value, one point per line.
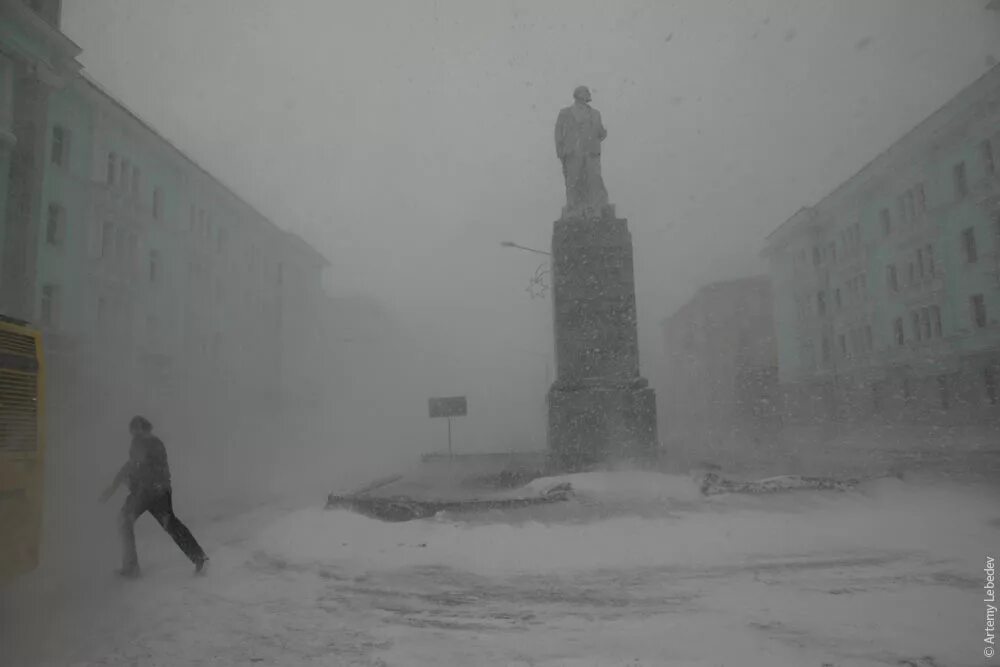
129	572
199	565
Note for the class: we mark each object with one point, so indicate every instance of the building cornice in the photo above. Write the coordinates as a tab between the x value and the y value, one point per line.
927	137
57	60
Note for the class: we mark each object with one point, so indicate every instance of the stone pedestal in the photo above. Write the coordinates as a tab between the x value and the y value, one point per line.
600	409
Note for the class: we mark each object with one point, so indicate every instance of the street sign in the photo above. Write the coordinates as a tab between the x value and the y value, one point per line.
450	406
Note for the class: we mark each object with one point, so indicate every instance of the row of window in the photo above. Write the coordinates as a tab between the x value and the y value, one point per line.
120	173
991	389
922	266
119	245
126	176
855	342
910	205
51	313
925	325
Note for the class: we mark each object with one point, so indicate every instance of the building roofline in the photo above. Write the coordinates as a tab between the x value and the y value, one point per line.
718	284
318	257
51	34
933	124
97	88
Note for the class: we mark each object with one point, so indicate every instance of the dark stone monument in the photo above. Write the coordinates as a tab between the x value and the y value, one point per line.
600	409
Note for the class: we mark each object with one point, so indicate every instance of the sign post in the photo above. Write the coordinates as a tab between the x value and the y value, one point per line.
448	407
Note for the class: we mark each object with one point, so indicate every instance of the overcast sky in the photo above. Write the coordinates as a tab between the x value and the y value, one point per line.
405	139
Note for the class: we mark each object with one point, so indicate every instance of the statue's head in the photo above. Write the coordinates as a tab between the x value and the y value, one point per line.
581	94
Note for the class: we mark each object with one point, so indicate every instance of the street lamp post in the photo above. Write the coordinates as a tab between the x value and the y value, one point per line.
538	283
537	287
511	244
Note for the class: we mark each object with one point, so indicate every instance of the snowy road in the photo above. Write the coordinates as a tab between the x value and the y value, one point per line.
640	571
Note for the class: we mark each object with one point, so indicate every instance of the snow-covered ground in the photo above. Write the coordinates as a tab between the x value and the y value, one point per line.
638	570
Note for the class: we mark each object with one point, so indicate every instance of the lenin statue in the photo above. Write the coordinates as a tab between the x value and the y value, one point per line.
579	133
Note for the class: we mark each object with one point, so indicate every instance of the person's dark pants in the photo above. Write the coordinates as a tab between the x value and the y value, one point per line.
160	505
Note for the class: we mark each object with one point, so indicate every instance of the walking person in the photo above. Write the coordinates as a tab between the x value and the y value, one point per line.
148	478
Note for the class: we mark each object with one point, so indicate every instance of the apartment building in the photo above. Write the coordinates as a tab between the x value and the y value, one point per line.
887	291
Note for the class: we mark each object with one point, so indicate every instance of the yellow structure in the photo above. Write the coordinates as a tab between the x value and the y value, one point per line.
22	447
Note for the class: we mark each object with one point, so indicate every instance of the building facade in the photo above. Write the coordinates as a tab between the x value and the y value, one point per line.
887	292
719	363
149	265
36	60
157	287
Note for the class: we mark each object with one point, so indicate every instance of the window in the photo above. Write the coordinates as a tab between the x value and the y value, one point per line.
897	330
960	180
920	263
832	251
136	175
891	278
986	153
112	168
901	209
60	146
921	197
820	301
936	318
154	265
929	254
925	321
915	321
842	340
125	172
157	204
836	298
826	350
978	310
50	305
886	219
869	341
107	239
55	225
909	206
990	385
817	257
852	239
220	240
969	245
912	273
943	391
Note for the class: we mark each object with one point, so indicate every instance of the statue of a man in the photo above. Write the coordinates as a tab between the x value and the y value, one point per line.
579	133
